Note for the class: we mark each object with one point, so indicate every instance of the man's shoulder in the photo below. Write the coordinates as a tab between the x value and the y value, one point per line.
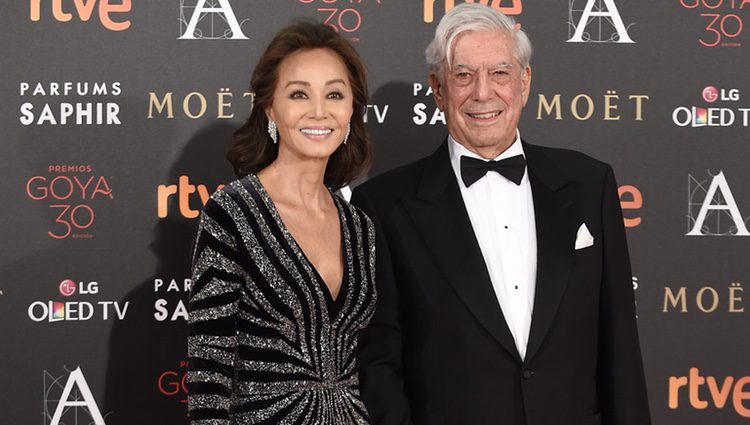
571	162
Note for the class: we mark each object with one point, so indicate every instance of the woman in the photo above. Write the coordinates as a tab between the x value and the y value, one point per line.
283	267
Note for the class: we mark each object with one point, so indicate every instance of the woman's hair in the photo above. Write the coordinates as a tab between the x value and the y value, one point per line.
252	148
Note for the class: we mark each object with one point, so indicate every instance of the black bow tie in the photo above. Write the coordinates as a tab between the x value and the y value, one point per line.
473	169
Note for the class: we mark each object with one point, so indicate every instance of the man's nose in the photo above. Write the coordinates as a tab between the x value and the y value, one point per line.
482	88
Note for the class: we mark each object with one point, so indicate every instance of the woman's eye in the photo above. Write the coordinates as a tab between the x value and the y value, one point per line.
298	94
335	95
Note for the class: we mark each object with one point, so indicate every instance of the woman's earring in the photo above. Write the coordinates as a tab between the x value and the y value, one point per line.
348	130
272	131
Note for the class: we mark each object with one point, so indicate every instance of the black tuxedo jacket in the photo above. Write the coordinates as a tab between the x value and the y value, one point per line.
439	351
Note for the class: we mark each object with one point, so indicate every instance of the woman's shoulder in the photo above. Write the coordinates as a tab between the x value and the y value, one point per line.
234	191
230	196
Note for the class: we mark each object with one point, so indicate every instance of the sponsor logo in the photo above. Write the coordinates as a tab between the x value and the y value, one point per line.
209	20
424	113
170	306
171	383
723	19
631	201
701	392
185	193
75	103
710	94
344	16
68	287
598	21
73	310
376	113
508	7
717	116
706	299
712	210
71	192
70	401
66	10
194	105
609	106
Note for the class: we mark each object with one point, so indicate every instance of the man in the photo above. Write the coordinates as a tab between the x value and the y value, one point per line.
504	287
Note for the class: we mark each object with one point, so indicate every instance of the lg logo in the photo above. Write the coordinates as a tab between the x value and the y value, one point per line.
712	94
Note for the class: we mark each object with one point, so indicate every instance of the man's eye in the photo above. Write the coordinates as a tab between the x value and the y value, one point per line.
298	94
463	75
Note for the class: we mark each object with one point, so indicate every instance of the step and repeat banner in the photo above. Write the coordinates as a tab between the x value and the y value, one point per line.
116	116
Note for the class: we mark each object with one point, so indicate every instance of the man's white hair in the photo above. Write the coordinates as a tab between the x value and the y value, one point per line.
473	17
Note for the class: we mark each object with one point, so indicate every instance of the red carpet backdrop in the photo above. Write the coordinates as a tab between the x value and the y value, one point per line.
116	116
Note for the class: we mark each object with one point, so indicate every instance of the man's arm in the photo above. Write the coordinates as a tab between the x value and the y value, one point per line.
621	382
380	344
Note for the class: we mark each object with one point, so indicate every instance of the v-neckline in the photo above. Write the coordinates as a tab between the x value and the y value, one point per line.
330	301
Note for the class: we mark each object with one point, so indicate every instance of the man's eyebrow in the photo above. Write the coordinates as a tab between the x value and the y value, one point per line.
502	65
464	66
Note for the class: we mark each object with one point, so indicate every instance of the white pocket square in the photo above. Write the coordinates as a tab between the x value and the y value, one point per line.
584	238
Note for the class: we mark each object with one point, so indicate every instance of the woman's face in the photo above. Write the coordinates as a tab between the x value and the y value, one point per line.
312	104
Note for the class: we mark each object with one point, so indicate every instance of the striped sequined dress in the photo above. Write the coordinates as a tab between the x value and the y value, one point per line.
267	342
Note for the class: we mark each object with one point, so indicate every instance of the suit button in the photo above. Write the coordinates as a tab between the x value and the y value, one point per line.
528	374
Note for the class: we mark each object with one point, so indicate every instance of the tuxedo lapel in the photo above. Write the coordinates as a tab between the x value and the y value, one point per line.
440	216
554	197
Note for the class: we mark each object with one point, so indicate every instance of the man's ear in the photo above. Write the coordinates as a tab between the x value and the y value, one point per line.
437	90
526	82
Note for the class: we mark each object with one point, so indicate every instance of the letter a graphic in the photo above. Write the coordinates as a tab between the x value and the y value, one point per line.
719	183
609	12
76	378
223	9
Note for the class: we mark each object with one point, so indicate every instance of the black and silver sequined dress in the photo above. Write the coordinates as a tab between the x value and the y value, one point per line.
267	342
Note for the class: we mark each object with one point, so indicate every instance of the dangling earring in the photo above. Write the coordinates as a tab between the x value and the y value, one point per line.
348	130
272	131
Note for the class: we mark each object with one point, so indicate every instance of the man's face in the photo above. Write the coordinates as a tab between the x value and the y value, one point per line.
483	91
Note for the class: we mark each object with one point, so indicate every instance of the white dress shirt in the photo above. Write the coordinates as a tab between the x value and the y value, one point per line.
502	215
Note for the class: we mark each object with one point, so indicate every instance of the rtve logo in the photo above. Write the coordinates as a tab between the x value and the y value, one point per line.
720	392
508	7
84	9
183	191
